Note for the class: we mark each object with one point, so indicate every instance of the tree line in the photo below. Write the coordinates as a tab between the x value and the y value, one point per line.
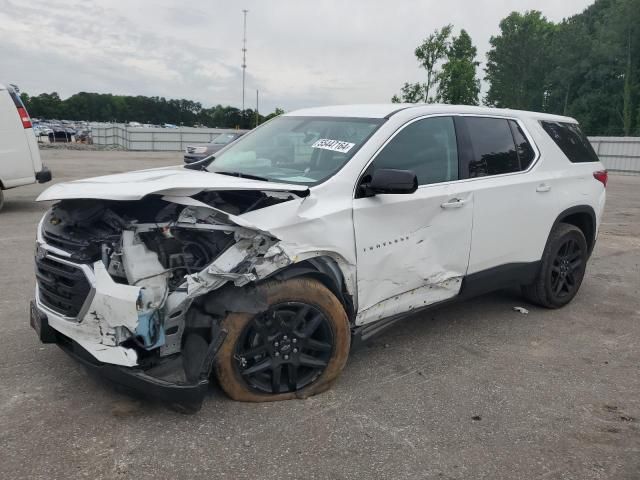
104	107
587	67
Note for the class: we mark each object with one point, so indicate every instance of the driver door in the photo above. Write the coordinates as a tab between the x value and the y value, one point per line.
413	249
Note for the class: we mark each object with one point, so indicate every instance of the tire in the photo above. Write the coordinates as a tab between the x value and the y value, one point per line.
304	335
562	268
1	199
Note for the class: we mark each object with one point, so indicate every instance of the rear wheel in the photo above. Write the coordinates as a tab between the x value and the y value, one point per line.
562	270
295	348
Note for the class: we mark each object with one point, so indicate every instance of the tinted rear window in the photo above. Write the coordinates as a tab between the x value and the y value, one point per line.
494	151
523	147
573	143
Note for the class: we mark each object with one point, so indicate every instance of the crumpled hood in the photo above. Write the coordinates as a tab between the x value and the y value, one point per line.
166	181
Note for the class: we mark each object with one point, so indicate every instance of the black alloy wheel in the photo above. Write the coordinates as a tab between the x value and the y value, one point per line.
566	269
562	268
285	348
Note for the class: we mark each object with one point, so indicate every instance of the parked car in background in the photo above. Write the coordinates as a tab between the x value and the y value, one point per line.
84	136
195	153
20	162
324	225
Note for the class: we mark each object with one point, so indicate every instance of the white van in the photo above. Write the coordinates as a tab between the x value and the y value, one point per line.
20	162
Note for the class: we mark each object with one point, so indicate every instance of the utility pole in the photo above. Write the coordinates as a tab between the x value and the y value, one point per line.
257	105
244	55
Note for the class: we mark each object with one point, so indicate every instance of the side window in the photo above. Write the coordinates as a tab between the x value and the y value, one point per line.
427	147
523	147
494	151
571	141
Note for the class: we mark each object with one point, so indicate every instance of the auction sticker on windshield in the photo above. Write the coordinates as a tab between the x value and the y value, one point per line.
334	145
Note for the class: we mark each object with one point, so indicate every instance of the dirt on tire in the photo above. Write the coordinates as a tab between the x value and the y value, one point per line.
304	290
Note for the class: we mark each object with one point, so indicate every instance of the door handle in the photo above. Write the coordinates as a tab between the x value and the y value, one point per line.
543	187
453	203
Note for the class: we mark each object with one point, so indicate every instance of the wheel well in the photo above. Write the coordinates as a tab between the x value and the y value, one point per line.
327	273
585	221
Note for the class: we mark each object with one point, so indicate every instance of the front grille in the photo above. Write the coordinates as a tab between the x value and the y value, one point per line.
63	243
61	287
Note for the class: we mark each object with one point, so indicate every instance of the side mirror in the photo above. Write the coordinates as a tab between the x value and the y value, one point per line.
386	180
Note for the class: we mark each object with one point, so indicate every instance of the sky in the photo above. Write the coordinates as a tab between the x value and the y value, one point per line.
300	53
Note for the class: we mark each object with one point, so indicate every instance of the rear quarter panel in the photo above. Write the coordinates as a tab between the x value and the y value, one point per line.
573	183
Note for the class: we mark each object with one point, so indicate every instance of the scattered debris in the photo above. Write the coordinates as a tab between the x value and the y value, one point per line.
386	345
521	310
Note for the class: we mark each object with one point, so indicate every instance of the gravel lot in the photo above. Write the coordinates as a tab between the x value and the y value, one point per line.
473	390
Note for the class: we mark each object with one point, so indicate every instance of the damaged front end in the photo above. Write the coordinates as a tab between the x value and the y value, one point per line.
126	286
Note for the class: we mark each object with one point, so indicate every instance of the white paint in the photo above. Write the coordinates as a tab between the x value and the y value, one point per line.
417	248
113	306
165	181
19	153
397	253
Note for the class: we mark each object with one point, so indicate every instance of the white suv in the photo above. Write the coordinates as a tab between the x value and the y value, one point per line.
20	162
320	226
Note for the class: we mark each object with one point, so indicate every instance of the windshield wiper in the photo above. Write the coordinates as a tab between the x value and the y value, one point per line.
241	175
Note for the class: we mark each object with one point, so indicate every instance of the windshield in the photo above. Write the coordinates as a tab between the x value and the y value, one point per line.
224	138
302	150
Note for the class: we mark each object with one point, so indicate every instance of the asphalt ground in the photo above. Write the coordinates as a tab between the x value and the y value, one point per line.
472	390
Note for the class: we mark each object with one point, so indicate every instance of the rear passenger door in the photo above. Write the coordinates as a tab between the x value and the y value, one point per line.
513	199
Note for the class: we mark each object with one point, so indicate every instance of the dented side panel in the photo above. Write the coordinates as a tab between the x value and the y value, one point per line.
411	250
310	228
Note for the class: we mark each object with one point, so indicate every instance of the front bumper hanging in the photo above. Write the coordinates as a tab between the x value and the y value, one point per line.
186	398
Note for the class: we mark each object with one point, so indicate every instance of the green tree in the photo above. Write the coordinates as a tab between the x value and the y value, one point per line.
569	62
429	53
459	84
276	113
518	61
410	93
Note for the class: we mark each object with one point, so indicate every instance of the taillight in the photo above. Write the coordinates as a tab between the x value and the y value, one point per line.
24	117
602	176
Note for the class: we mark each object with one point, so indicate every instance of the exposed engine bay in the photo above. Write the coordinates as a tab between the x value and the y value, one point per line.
151	264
